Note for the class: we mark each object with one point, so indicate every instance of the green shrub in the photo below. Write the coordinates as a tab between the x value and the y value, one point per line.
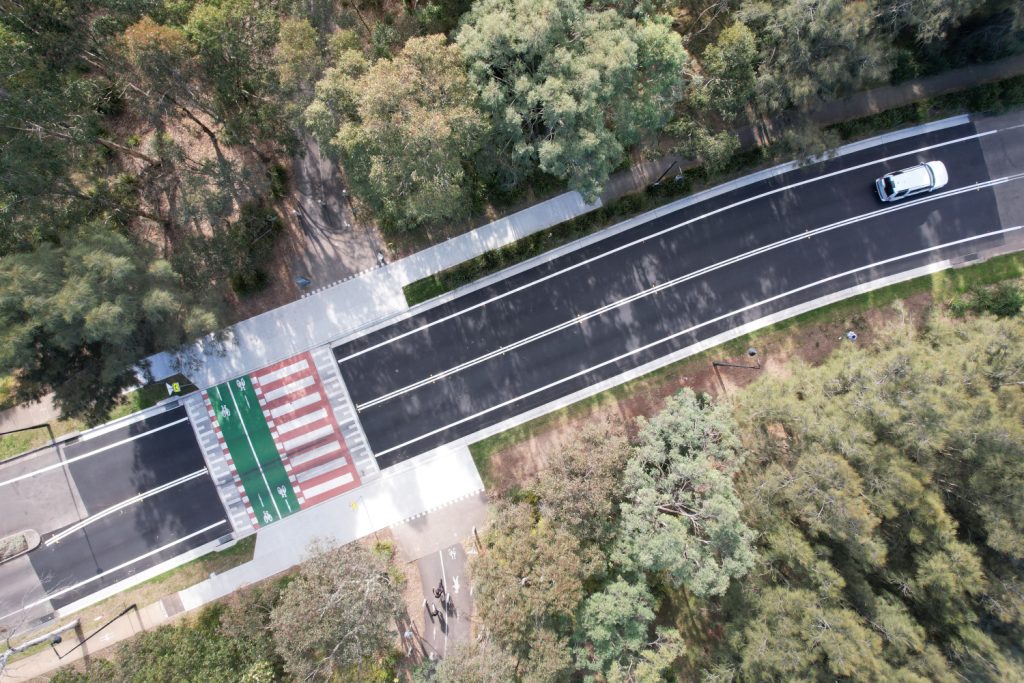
989	97
959	305
249	282
278	176
249	244
1005	300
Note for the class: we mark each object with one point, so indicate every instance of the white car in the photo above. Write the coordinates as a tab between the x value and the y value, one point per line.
925	177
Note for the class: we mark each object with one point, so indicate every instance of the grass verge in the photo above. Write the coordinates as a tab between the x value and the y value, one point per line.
991	97
12	445
944	287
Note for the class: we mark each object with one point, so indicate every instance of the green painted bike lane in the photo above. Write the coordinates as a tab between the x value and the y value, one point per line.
252	449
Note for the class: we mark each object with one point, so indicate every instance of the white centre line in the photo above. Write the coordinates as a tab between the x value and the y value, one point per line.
676	281
62	463
57	538
117	568
692	329
255	455
641	240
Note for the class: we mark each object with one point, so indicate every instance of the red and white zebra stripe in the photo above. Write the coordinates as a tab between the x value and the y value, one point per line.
304	429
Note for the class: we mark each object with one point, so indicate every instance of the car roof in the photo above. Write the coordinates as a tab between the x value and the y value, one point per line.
912	178
939	171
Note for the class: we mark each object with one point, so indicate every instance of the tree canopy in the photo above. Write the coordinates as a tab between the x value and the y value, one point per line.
860	519
174	122
76	317
559	81
405	128
681	515
887	495
338	613
575	579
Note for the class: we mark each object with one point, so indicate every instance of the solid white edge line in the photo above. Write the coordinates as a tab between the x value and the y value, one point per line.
62	463
691	329
57	538
641	240
115	569
732	260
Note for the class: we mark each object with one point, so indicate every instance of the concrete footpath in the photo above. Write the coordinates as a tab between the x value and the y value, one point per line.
29	414
406	492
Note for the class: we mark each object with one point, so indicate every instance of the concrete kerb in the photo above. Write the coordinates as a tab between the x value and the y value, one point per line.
32	541
693	350
630	223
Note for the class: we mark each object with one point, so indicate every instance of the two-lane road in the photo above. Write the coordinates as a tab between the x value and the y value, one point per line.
664	285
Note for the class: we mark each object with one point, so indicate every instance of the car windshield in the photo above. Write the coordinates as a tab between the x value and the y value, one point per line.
887	183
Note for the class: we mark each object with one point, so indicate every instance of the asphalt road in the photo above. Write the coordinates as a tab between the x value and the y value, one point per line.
504	349
147	497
